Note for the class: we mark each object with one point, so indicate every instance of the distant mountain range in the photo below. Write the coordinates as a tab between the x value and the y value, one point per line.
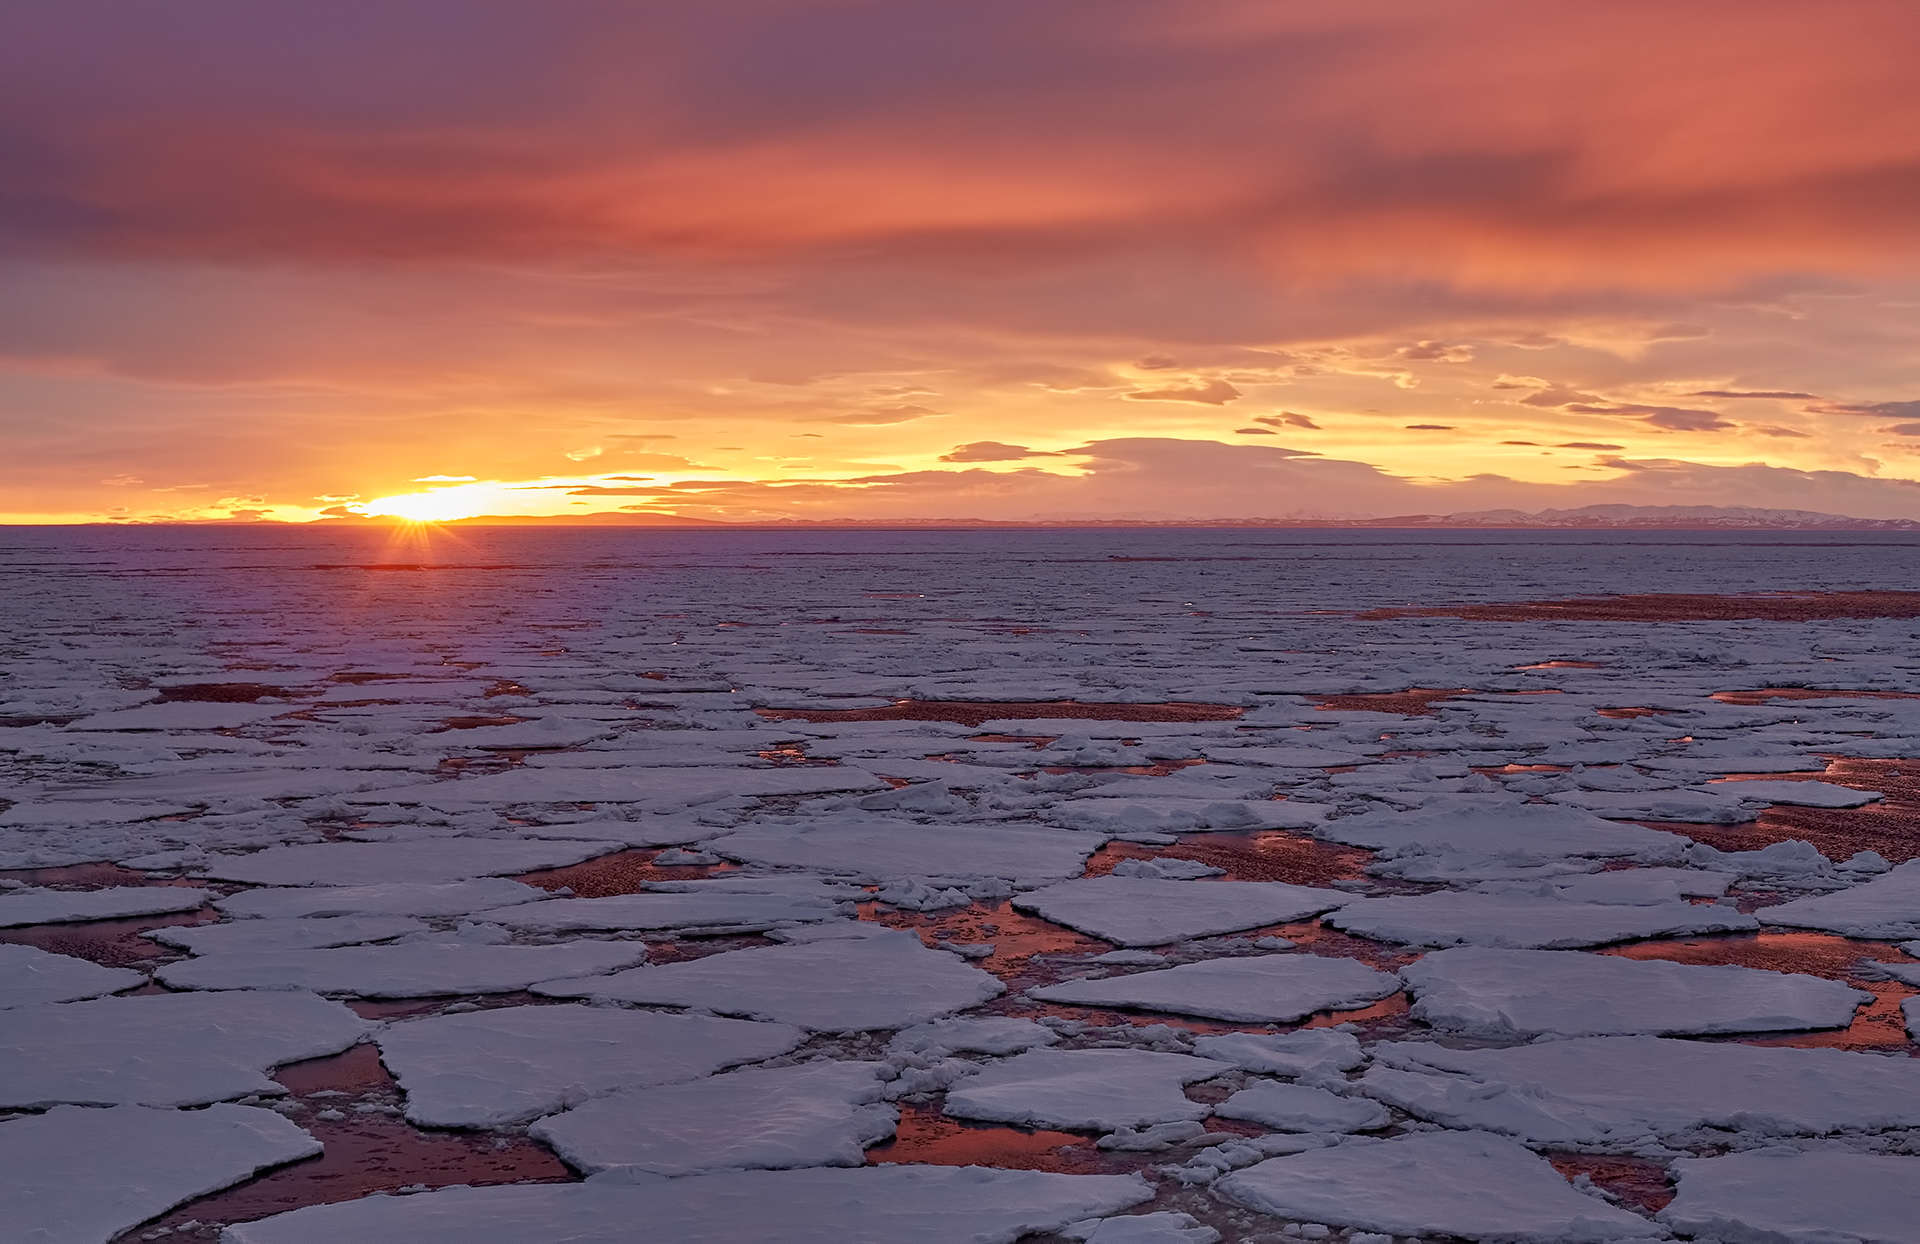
1588	517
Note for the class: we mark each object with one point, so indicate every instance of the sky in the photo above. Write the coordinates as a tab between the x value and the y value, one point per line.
1005	259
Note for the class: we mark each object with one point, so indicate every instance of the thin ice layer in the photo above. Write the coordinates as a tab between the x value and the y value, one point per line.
452	898
29	975
1888	906
303	934
821	1205
1778	1197
497	1067
117	902
1433	1183
79	1176
666	911
880	851
1273	989
1089	1090
1145	911
839	985
412	970
1526	993
1527	920
384	863
1302	1108
1619	1091
164	1049
813	1114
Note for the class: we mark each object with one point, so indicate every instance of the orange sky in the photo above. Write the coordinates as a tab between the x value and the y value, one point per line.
879	258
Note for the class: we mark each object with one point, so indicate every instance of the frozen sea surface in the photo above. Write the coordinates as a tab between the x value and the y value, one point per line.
684	854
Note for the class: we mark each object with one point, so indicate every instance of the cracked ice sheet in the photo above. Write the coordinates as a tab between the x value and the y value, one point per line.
1308	1052
1785	1197
79	1176
456	898
1174	814
880	851
838	985
1086	1090
1145	911
774	1118
1526	993
498	1067
373	863
1302	1108
1526	920
1888	906
1537	833
821	1205
68	906
1466	1184
667	911
415	970
1275	989
29	975
663	787
165	1049
252	935
1621	1091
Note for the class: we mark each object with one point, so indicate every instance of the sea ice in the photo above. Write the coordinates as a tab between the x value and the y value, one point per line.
1785	1197
1162	1228
302	934
1525	919
80	1176
67	906
182	715
1886	907
412	970
1525	993
385	863
164	1049
453	898
1801	794
666	911
1518	832
884	850
661	787
816	1205
1698	806
1310	1052
1301	1108
511	1064
1087	1090
989	1034
838	985
813	1114
1178	816
29	975
1144	911
1273	989
1621	1091
1432	1183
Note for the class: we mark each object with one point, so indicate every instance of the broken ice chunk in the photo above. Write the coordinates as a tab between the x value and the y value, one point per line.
1143	911
1306	1053
29	975
378	863
1258	989
1300	1108
456	898
67	906
1798	1198
1526	920
1089	1090
416	970
305	934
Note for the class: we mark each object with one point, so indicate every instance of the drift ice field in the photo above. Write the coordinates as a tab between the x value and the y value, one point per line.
504	886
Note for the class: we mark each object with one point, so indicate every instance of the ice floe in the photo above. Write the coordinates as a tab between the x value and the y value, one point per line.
1524	918
68	906
297	934
387	863
1308	1053
411	970
1088	1090
668	911
1302	1108
455	898
1790	1197
1887	906
1273	989
29	975
511	1064
1145	911
879	851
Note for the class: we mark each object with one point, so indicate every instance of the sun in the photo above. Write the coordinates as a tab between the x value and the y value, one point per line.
422	507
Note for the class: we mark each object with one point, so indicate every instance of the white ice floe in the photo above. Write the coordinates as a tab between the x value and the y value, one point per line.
182	715
387	863
1789	1197
1144	911
93	812
1468	1184
1274	989
1502	826
1621	1091
881	850
1087	1090
1525	993
29	975
454	898
1526	919
813	1114
1308	1053
838	985
1717	806
164	1049
662	787
411	970
511	1064
1642	887
1178	816
67	906
1161	1228
819	1205
990	1034
80	1176
1888	906
1166	869
1801	794
301	934
1302	1108
666	911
